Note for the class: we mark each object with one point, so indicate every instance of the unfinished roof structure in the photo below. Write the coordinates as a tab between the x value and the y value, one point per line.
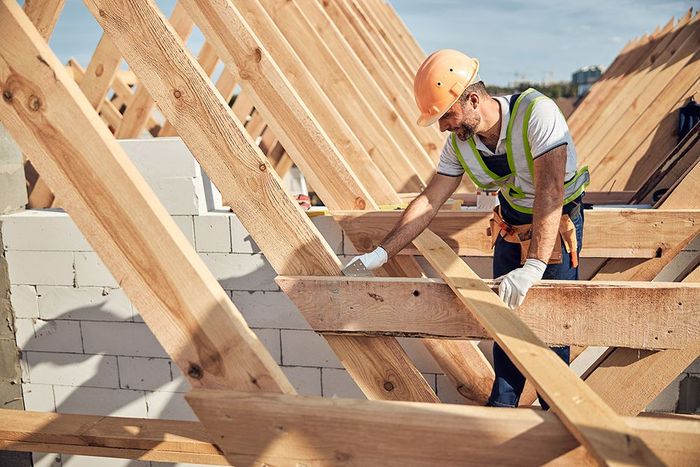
327	86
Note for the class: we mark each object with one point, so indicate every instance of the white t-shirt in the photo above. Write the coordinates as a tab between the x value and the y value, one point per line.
547	130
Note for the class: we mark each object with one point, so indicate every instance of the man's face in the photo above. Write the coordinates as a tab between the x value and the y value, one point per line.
462	119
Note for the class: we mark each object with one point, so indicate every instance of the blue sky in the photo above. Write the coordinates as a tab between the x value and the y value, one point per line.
514	39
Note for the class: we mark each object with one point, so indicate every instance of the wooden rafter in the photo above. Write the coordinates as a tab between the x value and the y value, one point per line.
120	216
225	151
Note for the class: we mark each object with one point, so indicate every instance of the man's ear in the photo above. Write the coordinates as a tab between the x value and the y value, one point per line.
474	100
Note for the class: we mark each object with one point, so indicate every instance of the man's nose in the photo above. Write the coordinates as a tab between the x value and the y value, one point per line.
443	125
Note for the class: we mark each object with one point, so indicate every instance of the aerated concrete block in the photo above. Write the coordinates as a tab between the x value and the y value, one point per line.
48	336
24	301
149	374
91	271
40	267
186	225
241	271
161	158
83	303
129	339
38	397
42	230
100	401
67	369
241	240
268	310
270	338
338	383
180	196
306	381
306	348
212	232
168	406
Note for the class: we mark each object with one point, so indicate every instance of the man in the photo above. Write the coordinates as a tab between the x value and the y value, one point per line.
519	145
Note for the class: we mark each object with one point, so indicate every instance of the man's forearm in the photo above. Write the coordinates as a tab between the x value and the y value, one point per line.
415	219
549	196
545	227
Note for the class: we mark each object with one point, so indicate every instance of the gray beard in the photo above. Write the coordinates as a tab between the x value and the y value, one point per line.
464	132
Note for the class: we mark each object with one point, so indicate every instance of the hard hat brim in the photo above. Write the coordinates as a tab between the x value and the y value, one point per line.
427	120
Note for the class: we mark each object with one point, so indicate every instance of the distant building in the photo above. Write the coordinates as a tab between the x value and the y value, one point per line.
583	78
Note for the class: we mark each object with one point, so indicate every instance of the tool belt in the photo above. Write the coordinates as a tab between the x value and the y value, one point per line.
522	234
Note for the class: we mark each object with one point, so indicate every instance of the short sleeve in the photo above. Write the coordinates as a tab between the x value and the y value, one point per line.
547	128
449	164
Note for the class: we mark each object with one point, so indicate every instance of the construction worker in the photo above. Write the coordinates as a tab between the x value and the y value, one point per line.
519	145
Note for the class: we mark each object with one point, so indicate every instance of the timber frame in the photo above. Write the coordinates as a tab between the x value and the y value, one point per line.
343	115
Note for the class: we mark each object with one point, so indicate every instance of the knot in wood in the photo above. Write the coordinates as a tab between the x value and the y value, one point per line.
99	70
360	203
7	95
177	94
195	371
389	386
416	293
258	54
34	103
262	167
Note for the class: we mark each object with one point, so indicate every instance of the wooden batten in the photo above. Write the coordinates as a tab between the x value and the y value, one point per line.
659	315
281	430
608	233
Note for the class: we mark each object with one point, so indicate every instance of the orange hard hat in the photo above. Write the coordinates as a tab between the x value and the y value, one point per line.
439	82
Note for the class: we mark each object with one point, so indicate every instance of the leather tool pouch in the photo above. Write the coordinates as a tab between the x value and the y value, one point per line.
522	234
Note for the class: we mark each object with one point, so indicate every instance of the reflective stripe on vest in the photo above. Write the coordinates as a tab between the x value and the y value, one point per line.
518	187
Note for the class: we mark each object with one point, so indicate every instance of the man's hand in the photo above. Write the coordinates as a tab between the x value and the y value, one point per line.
372	260
515	284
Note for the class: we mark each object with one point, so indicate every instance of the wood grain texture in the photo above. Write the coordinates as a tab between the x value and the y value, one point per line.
389	151
608	233
100	72
248	183
314	431
320	142
90	435
582	411
181	301
655	315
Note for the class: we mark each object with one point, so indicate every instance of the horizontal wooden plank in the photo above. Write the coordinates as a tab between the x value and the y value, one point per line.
608	233
640	315
90	435
281	430
598	198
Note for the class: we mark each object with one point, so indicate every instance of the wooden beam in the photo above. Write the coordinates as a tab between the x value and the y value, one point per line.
609	233
281	430
44	15
181	301
585	415
659	315
248	183
100	72
139	108
389	150
91	435
299	127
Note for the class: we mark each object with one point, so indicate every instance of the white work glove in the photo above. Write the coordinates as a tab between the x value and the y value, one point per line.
515	284
372	260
